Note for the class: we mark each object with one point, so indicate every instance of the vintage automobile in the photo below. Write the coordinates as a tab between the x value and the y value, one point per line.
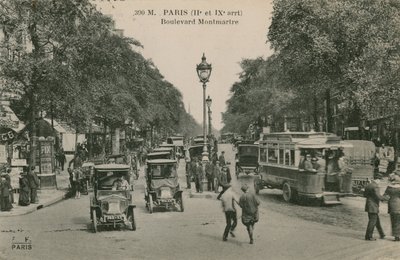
111	204
178	141
162	186
246	158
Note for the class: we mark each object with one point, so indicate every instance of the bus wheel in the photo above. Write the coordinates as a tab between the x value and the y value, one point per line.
287	192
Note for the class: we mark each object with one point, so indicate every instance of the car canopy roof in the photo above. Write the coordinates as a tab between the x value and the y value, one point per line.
161	161
112	167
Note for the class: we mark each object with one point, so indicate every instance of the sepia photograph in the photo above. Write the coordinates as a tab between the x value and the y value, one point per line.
199	129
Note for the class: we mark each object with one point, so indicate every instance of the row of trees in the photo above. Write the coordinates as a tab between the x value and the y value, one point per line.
345	50
66	58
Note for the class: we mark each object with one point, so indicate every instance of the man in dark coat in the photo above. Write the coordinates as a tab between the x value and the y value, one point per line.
33	185
62	159
210	176
24	190
373	197
5	203
199	177
221	159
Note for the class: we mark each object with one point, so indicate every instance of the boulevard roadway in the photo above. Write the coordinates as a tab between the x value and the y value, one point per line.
285	231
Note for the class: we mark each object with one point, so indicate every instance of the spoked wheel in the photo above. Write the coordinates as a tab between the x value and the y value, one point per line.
131	219
181	203
150	203
287	192
94	214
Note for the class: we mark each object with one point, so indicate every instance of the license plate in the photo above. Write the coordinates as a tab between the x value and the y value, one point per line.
113	217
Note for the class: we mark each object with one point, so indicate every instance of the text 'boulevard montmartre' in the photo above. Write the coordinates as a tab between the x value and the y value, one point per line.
199	21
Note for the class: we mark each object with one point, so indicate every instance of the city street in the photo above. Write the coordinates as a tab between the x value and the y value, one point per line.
285	231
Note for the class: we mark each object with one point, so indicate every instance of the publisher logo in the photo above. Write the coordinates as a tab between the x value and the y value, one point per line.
22	244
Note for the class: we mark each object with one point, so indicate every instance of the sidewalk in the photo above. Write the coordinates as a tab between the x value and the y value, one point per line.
46	198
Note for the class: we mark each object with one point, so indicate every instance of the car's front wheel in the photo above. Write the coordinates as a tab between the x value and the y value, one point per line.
94	214
150	203
131	219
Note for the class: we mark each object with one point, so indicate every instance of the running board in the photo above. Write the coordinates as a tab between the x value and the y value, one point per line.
331	199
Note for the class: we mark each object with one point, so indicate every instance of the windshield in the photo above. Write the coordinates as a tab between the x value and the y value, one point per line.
163	171
248	150
105	193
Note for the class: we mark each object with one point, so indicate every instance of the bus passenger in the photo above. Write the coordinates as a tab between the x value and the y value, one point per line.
308	166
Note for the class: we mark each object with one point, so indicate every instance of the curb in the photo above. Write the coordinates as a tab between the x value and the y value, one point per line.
40	206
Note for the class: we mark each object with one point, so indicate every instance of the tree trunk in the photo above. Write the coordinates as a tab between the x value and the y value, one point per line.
32	134
315	114
90	141
103	148
329	123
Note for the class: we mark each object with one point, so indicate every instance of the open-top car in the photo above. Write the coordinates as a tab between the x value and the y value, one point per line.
111	203
162	186
246	158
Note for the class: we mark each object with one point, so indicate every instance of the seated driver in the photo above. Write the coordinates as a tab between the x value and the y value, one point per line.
124	184
120	184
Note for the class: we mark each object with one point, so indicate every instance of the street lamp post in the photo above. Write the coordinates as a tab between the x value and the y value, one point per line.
204	71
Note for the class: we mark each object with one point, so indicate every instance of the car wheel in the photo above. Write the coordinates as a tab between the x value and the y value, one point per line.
94	214
256	186
287	192
131	219
181	203
150	203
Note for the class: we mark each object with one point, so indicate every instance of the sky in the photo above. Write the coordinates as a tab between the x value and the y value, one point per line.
176	49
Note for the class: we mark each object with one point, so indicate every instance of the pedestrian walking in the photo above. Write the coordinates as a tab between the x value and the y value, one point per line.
210	176
249	204
224	180
61	159
5	203
33	181
221	159
373	197
228	200
199	177
24	190
77	182
393	193
188	175
216	173
10	188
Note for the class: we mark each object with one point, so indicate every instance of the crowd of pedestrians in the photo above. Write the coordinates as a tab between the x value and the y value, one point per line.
373	199
28	186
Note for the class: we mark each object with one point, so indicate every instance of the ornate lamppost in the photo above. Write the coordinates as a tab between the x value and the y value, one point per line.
204	72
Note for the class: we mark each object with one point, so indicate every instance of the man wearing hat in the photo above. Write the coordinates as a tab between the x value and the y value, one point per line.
33	185
373	197
221	159
249	204
5	203
393	192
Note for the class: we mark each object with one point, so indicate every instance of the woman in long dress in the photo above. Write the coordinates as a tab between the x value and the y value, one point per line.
24	190
393	191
